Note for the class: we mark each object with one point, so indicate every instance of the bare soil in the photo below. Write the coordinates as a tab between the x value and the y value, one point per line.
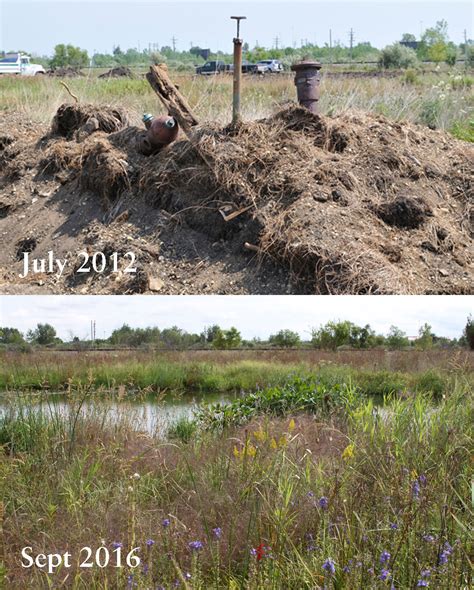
353	204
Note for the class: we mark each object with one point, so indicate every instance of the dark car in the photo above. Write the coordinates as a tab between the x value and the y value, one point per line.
210	68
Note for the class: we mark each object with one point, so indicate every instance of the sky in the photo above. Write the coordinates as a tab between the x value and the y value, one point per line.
37	26
254	316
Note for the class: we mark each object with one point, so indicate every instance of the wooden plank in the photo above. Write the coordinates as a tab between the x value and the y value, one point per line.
172	98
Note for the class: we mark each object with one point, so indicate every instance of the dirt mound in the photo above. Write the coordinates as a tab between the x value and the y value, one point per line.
70	118
354	204
119	72
65	73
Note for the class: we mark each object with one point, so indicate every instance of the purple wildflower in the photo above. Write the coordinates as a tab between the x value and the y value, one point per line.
415	489
329	566
394	526
422	479
384	575
428	538
195	545
117	545
150	542
145	569
165	523
447	548
385	557
323	502
310	494
425	573
253	551
217	532
346	569
422	584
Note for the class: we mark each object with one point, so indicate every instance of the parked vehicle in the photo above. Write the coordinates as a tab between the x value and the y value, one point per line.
211	68
270	66
248	68
19	63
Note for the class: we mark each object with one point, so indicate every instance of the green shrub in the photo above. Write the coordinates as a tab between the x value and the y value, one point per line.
397	56
430	382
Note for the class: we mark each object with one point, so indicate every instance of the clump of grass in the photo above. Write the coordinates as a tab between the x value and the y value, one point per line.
182	429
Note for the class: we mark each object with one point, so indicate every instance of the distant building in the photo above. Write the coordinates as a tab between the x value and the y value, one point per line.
411	44
205	53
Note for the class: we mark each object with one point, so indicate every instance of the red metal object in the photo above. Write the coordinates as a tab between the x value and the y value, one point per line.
307	81
162	131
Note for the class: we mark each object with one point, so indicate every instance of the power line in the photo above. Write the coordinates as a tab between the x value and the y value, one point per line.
351	41
174	40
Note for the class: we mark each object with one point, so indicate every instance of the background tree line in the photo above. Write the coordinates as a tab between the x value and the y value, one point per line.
434	46
334	335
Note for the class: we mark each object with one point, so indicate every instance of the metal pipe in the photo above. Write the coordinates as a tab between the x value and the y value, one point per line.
307	84
236	118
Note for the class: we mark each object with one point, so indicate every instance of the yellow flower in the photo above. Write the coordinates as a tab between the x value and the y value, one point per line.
273	444
251	450
260	435
236	452
348	452
282	442
291	425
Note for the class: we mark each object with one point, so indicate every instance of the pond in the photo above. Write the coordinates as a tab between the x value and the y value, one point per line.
152	414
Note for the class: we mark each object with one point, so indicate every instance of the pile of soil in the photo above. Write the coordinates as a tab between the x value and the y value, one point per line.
66	72
118	72
294	203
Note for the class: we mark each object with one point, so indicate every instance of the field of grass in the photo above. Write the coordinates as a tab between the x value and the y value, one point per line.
443	100
375	372
315	488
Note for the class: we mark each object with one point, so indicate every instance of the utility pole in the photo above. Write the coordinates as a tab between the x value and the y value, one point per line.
465	47
277	40
330	46
351	40
174	40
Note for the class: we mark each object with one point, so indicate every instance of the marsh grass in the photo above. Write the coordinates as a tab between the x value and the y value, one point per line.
443	100
353	496
223	371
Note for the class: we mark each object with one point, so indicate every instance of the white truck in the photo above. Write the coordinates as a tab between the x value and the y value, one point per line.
19	63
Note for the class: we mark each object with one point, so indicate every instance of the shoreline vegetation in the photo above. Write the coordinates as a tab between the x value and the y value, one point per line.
375	373
306	484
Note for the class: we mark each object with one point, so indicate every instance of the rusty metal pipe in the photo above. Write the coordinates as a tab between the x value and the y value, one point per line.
307	81
236	117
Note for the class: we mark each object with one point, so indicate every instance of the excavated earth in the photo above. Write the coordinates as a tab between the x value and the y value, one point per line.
294	203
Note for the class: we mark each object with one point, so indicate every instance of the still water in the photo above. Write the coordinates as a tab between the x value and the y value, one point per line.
147	414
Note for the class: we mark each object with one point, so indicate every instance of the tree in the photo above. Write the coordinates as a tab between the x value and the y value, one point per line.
469	332
332	335
396	339
68	55
434	43
425	337
285	339
227	339
11	336
408	38
43	335
210	333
